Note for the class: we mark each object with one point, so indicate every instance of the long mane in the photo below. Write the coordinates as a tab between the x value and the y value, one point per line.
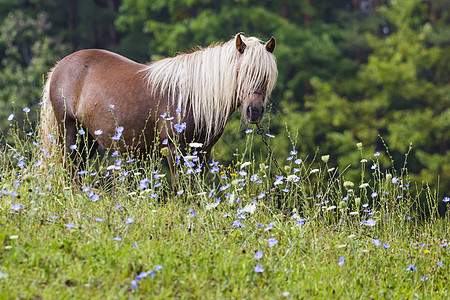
210	81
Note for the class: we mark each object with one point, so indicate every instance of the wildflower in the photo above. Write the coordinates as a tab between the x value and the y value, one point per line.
270	135
250	208
443	244
386	246
98	219
314	171
26	110
73	147
54	217
259	269
237	224
364	185
249	131
38	163
269	227
363	160
368	222
359	145
95	197
376	242
439	263
374	166
376	154
117	238
70	226
293	152
272	242
259	254
193	214
134	285
325	158
129	220
424	278
178	110
141	275
247	163
341	261
180	192
374	194
158	267
195	145
259	224
298	161
17	206
118	206
254	177
446	199
394	180
180	127
11	117
411	268
98	132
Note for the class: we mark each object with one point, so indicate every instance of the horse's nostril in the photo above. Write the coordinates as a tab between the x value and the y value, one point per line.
249	111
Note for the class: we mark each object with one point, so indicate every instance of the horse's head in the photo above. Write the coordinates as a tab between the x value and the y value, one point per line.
257	74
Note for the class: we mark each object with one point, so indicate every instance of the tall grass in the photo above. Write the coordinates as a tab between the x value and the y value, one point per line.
235	231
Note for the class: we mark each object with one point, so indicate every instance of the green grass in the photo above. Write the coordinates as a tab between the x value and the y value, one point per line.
53	245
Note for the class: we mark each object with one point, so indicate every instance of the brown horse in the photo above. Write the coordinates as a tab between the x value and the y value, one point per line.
124	105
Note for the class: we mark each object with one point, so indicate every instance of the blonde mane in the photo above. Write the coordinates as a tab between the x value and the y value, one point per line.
212	80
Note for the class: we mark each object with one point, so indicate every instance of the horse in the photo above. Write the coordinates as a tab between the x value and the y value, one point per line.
131	107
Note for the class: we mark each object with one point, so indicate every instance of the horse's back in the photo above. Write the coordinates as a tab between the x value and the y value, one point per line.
87	83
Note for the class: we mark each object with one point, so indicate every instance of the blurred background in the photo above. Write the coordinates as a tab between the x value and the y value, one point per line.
370	71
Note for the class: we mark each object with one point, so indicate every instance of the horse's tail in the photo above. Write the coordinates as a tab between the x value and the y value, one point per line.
48	130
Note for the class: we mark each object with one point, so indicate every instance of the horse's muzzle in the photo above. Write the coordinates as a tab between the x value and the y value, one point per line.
254	113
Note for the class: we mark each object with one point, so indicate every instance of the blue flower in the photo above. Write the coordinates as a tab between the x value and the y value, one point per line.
73	147
411	268
158	267
368	222
117	238
98	219
376	154
26	110
259	224
259	254
54	217
118	206
293	152
270	135
129	220
237	224
81	131
111	106
11	117
180	127
386	246
272	242
134	284
446	199
141	275
424	278
98	132
17	206
269	227
439	263
376	242
341	261
70	226
193	214
249	131
374	195
259	269
180	192
298	161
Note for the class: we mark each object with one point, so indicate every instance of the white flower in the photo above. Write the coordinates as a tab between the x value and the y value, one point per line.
331	207
212	205
195	145
363	186
247	163
250	208
363	160
314	171
291	177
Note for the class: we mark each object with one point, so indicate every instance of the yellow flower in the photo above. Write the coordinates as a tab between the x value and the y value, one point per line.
426	251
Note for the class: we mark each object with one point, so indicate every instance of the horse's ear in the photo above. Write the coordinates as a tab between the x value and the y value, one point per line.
240	45
270	46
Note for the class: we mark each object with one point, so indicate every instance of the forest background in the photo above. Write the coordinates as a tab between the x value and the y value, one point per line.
350	71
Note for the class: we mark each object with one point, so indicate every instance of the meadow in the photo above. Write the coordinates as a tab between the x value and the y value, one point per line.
243	230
